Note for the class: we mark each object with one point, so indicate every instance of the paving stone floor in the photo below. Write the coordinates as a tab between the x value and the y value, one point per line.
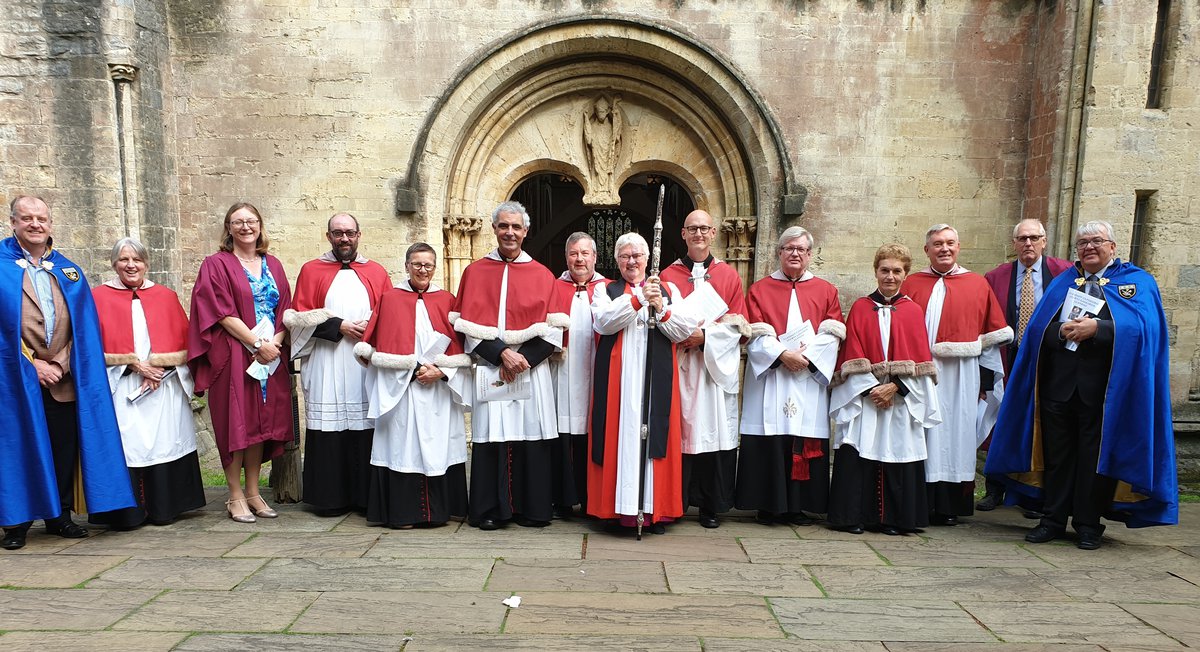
302	582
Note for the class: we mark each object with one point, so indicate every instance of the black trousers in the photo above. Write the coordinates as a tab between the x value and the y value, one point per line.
1071	450
63	426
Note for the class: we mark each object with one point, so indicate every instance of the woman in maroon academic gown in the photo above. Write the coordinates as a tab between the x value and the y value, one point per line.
236	330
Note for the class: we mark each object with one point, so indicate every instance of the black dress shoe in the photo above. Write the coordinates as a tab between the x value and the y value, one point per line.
524	521
1031	514
889	530
1042	534
800	518
1088	541
852	529
947	520
67	529
709	520
13	540
764	518
657	528
990	502
564	513
487	524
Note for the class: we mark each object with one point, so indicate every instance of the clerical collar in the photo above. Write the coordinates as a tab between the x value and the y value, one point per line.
330	257
690	264
953	269
118	285
878	297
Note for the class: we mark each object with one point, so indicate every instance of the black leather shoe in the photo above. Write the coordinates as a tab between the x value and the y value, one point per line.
889	530
947	520
657	528
990	502
529	522
13	540
764	518
564	513
67	529
1031	514
709	520
487	524
852	529
800	518
1042	534
1088	541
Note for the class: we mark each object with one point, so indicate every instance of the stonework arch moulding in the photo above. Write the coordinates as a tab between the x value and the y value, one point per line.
518	110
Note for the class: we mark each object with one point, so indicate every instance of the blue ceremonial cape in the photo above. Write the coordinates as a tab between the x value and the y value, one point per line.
28	490
1137	444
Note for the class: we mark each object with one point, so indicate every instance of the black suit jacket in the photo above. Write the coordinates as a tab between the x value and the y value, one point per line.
1084	370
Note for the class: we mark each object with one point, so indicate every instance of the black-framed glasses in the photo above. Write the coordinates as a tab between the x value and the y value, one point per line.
1094	243
237	224
1028	238
338	235
796	250
423	266
700	228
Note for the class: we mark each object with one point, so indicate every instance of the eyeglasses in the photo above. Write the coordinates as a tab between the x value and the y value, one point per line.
338	235
701	229
628	257
422	266
1028	238
237	224
802	251
1094	243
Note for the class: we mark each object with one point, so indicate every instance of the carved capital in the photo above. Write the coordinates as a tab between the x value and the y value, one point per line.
739	231
122	72
461	225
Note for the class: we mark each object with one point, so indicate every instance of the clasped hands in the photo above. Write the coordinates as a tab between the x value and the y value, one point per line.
511	364
794	359
1078	330
881	395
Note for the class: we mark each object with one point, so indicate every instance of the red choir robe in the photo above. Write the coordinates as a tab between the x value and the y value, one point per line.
312	286
971	317
531	309
165	320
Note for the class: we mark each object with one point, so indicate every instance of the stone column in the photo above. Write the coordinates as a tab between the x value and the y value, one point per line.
458	231
739	246
123	75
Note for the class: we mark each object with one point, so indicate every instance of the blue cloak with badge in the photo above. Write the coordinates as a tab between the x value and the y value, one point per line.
1137	441
28	490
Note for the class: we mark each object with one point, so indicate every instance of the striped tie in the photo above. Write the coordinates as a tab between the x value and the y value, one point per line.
1026	309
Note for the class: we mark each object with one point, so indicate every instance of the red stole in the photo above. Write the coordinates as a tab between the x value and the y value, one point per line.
316	276
969	310
165	319
397	308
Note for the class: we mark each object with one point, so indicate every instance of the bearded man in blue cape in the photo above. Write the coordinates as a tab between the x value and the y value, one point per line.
1085	425
54	394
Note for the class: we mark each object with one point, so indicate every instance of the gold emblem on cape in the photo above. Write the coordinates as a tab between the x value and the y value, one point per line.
790	408
71	273
1127	291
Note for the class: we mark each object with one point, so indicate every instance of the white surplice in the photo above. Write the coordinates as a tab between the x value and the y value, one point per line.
611	316
573	373
708	384
334	398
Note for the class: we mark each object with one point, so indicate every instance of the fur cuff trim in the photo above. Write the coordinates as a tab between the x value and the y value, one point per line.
393	361
762	329
306	319
855	366
738	322
453	316
172	359
458	360
364	351
559	320
926	369
833	327
522	336
471	329
114	359
957	349
997	337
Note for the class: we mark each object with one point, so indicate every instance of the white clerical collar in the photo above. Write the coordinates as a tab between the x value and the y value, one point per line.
521	258
779	275
407	287
328	257
566	276
116	283
954	271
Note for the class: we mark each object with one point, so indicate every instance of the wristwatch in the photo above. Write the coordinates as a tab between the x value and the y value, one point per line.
258	343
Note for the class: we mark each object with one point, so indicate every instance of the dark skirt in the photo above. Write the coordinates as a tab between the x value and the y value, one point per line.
708	480
163	492
951	498
511	478
764	477
337	469
401	499
870	493
568	470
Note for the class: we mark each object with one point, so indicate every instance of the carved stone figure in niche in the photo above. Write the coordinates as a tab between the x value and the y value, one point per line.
602	127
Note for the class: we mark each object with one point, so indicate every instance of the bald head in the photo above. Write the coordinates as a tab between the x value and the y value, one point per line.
698	234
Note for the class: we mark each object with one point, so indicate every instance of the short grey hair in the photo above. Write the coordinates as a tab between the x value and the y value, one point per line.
1041	227
938	228
138	248
580	235
631	239
510	207
20	199
791	233
1094	227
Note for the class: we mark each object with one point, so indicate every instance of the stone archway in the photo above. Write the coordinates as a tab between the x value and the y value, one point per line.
524	109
